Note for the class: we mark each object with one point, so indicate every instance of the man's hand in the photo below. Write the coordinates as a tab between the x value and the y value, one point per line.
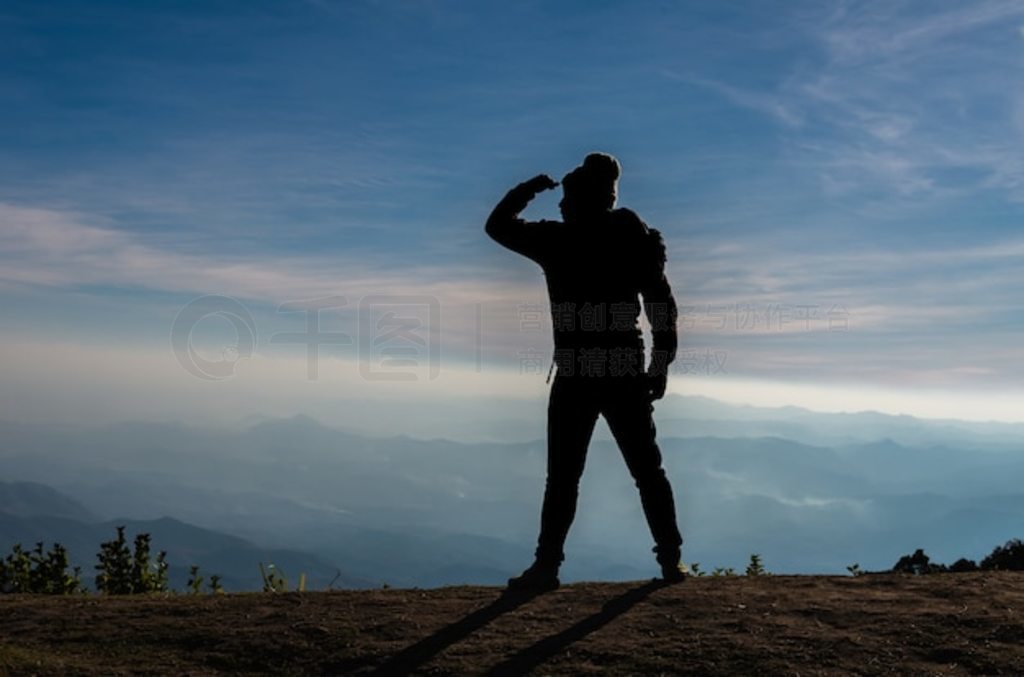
656	384
657	373
540	183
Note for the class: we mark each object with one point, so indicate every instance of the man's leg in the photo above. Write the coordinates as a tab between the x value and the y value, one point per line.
629	415
572	414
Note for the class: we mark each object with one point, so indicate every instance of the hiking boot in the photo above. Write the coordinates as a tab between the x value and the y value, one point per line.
674	573
538	578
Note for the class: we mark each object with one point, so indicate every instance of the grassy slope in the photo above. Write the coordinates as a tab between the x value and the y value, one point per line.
790	624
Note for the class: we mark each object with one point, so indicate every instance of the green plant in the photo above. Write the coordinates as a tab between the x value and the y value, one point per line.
855	570
52	577
755	567
720	571
147	576
1009	557
122	572
16	571
695	570
274	579
195	581
39	572
918	563
115	565
963	565
215	586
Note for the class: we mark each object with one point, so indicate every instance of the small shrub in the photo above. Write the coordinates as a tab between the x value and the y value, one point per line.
916	564
39	572
16	574
147	576
855	570
756	567
115	566
963	565
195	581
720	571
273	579
51	572
122	572
1009	557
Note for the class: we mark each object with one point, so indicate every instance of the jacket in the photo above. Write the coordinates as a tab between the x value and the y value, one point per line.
596	271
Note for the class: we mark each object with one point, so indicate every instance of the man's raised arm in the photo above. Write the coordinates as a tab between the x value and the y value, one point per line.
504	224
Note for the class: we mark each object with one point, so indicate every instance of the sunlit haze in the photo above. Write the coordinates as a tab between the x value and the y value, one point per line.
839	184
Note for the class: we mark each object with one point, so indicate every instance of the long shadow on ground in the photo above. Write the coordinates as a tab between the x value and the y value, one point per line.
415	655
529	658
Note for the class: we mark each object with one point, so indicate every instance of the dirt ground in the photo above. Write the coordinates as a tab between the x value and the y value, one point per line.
806	625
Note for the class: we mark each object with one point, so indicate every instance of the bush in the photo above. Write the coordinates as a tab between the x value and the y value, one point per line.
755	567
1009	557
195	581
917	564
963	565
274	579
39	572
122	572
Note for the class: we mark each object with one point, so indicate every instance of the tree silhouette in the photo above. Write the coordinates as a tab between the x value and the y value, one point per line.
1008	557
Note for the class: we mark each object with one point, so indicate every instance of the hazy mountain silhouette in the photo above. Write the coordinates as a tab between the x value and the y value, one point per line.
426	512
31	499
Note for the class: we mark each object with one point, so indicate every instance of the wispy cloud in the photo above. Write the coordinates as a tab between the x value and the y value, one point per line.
63	249
913	96
762	102
862	31
913	99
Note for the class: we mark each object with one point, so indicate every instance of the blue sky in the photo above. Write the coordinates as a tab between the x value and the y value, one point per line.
840	183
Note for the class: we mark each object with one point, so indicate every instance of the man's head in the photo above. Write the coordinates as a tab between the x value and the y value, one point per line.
591	188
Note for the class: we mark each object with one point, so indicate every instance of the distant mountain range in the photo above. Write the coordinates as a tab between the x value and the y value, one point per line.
31	499
42	517
811	493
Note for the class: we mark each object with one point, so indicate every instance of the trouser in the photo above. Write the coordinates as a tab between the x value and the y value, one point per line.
573	408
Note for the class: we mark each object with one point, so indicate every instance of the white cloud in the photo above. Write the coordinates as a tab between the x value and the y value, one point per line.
902	312
880	30
937	403
62	249
906	93
761	102
48	381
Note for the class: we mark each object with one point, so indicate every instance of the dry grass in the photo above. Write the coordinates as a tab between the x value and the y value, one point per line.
948	624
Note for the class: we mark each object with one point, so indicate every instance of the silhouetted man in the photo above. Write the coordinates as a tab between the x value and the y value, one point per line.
597	263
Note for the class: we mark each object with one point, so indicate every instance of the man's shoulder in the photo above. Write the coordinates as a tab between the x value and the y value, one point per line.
626	217
650	245
628	220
